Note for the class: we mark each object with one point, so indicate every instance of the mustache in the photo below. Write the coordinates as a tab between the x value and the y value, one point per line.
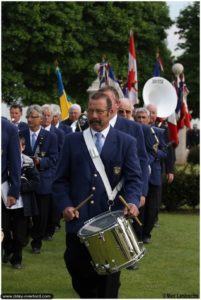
95	122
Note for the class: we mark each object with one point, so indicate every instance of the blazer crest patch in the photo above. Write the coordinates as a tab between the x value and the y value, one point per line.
117	170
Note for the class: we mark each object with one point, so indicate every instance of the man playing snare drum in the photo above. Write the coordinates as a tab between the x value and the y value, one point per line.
77	178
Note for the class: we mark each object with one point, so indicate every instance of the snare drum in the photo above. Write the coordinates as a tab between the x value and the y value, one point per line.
111	242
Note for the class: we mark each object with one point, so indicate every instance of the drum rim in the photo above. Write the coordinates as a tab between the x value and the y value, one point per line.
90	221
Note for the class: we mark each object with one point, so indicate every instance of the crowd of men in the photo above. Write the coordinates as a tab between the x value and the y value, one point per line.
47	171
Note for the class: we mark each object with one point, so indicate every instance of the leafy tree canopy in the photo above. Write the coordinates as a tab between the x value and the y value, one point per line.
77	34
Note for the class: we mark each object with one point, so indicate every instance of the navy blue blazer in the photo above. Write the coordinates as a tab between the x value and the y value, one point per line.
66	128
22	126
169	162
149	142
77	177
46	148
60	136
10	157
134	129
155	177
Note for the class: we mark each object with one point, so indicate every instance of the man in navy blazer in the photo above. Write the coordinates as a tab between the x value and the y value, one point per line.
154	194
168	164
47	125
53	216
132	128
45	155
56	120
10	171
16	114
10	160
126	110
156	155
77	178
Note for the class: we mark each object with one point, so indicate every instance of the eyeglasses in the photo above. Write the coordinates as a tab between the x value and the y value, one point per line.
97	111
121	111
32	117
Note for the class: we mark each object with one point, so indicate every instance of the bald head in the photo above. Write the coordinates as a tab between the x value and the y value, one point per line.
125	108
153	112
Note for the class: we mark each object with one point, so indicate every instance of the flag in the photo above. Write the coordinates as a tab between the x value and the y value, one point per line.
64	100
158	66
107	77
173	130
132	72
182	111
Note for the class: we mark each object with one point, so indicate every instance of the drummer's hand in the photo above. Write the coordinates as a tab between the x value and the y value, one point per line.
132	211
69	213
11	201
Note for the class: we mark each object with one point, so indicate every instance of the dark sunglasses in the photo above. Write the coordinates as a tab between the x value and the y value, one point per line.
121	111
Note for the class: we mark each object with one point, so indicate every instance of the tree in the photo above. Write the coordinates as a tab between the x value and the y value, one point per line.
188	23
77	34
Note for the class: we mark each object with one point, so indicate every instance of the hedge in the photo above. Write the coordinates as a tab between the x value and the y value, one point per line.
184	190
194	155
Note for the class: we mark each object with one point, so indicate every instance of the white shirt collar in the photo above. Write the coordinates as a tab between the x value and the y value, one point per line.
36	132
104	132
48	127
113	121
74	125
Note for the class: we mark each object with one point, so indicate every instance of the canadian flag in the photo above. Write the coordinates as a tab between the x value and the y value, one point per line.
132	72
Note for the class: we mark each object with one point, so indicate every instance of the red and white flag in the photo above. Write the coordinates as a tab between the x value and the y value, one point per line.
183	113
173	130
132	72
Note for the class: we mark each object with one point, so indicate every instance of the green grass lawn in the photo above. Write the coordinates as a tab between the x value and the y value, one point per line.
169	269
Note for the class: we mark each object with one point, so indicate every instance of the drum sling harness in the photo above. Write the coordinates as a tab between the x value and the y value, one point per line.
100	166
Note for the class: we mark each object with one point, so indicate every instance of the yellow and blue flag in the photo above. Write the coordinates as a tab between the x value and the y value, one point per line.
64	101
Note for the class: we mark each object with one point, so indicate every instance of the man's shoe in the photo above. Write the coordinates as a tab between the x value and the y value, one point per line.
17	266
156	225
57	228
48	238
36	251
146	240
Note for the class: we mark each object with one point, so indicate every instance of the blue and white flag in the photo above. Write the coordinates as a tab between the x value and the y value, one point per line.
107	77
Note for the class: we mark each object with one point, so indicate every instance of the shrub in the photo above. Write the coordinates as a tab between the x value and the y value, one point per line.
184	190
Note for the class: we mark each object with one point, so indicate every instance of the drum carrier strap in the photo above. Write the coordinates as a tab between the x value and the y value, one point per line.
100	167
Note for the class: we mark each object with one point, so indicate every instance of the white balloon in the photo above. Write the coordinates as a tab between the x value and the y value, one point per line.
177	69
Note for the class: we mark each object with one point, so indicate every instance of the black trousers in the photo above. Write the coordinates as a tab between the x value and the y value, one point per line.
151	209
53	218
86	282
138	228
15	227
40	221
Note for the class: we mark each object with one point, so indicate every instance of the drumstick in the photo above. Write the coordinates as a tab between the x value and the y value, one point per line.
83	202
126	204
